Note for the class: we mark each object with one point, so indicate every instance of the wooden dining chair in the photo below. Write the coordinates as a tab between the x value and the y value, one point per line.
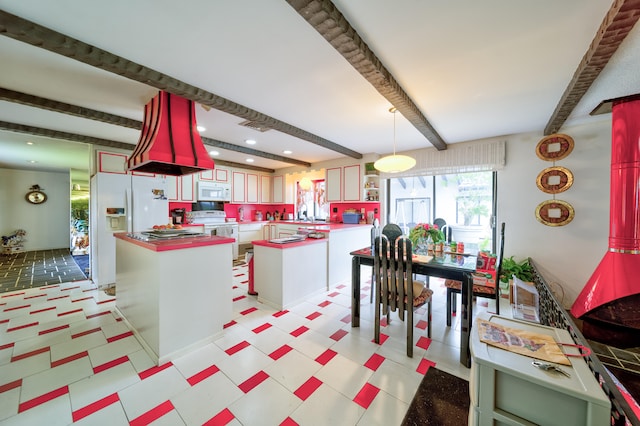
454	287
375	232
395	289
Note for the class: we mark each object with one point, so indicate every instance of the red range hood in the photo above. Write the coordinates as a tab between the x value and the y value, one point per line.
613	291
170	143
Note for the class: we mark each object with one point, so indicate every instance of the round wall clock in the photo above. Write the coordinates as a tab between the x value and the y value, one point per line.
554	212
554	180
36	197
554	147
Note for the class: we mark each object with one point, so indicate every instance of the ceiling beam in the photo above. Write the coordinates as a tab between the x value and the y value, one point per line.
619	21
105	117
334	27
73	137
37	35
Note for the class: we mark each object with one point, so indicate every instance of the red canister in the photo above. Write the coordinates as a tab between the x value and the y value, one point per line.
460	247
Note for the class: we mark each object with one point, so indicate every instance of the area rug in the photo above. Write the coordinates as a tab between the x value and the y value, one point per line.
37	269
441	399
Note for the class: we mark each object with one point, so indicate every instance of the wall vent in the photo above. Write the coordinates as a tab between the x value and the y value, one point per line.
255	125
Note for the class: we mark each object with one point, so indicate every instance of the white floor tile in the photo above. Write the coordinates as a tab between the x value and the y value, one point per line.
198	360
267	404
56	412
344	375
77	345
105	383
112	415
54	378
384	410
292	370
114	350
396	380
9	403
244	364
327	407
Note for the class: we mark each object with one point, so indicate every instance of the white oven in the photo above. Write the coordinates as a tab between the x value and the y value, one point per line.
228	229
213	191
215	223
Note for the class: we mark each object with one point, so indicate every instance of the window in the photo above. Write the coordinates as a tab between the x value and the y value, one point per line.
464	200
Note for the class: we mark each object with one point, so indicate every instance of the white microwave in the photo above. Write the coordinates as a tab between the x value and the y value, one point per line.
214	191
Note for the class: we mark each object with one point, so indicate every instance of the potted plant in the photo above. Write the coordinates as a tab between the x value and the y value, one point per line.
510	267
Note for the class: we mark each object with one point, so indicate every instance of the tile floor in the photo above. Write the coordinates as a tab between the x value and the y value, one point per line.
67	358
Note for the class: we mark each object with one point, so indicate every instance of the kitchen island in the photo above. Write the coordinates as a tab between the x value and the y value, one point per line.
286	274
175	294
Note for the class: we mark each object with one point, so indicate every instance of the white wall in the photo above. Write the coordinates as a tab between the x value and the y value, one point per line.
47	224
567	255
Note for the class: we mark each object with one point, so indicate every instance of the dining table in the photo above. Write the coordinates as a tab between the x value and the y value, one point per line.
446	265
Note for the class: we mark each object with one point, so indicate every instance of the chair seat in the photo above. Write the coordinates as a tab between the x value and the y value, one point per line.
423	297
457	285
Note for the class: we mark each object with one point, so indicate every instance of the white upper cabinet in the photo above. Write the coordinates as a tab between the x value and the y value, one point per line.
278	189
252	188
351	183
265	189
238	183
333	184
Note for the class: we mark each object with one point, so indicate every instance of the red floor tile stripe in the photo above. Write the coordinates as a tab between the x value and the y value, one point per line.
54	329
98	314
153	370
237	348
253	381
299	331
105	301
326	356
383	322
94	407
346	319
20	327
15	308
7	346
4	321
70	312
89	289
152	415
28	354
313	316
107	365
307	388
42	310
341	286
279	314
424	366
69	288
248	311
235	299
262	328
280	352
12	295
43	398
383	338
374	362
84	333
423	342
422	325
222	418
229	324
33	297
289	422
58	297
10	385
244	282
367	394
198	377
334	294
324	304
120	336
69	359
50	286
339	335
81	299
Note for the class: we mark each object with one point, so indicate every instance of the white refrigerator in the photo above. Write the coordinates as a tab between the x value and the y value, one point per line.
121	203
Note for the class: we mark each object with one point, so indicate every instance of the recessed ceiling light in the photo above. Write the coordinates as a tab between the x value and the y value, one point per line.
32	161
249	160
286	151
250	142
29	143
214	153
201	128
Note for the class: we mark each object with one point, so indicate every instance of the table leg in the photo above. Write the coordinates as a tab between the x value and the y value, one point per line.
355	291
466	319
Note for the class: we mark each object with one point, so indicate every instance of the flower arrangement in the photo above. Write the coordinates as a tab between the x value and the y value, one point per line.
424	231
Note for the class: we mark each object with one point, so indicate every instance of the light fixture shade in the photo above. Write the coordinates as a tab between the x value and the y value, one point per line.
305	184
394	163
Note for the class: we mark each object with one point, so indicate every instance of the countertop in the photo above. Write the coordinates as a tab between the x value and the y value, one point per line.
174	243
317	226
308	241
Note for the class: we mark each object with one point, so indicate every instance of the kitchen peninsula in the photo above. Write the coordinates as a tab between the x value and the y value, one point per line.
175	294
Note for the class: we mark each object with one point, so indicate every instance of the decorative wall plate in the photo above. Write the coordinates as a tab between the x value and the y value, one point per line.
554	213
554	180
554	147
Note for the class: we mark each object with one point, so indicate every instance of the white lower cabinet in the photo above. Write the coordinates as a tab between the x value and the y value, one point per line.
248	232
506	389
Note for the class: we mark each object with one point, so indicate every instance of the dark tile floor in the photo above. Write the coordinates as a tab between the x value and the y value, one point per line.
37	268
623	363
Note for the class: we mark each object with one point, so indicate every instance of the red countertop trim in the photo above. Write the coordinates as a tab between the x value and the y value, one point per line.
266	243
177	243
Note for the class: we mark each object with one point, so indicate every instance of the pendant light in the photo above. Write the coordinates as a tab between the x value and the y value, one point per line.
394	163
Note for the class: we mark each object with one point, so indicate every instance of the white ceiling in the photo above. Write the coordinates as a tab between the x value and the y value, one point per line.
474	69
